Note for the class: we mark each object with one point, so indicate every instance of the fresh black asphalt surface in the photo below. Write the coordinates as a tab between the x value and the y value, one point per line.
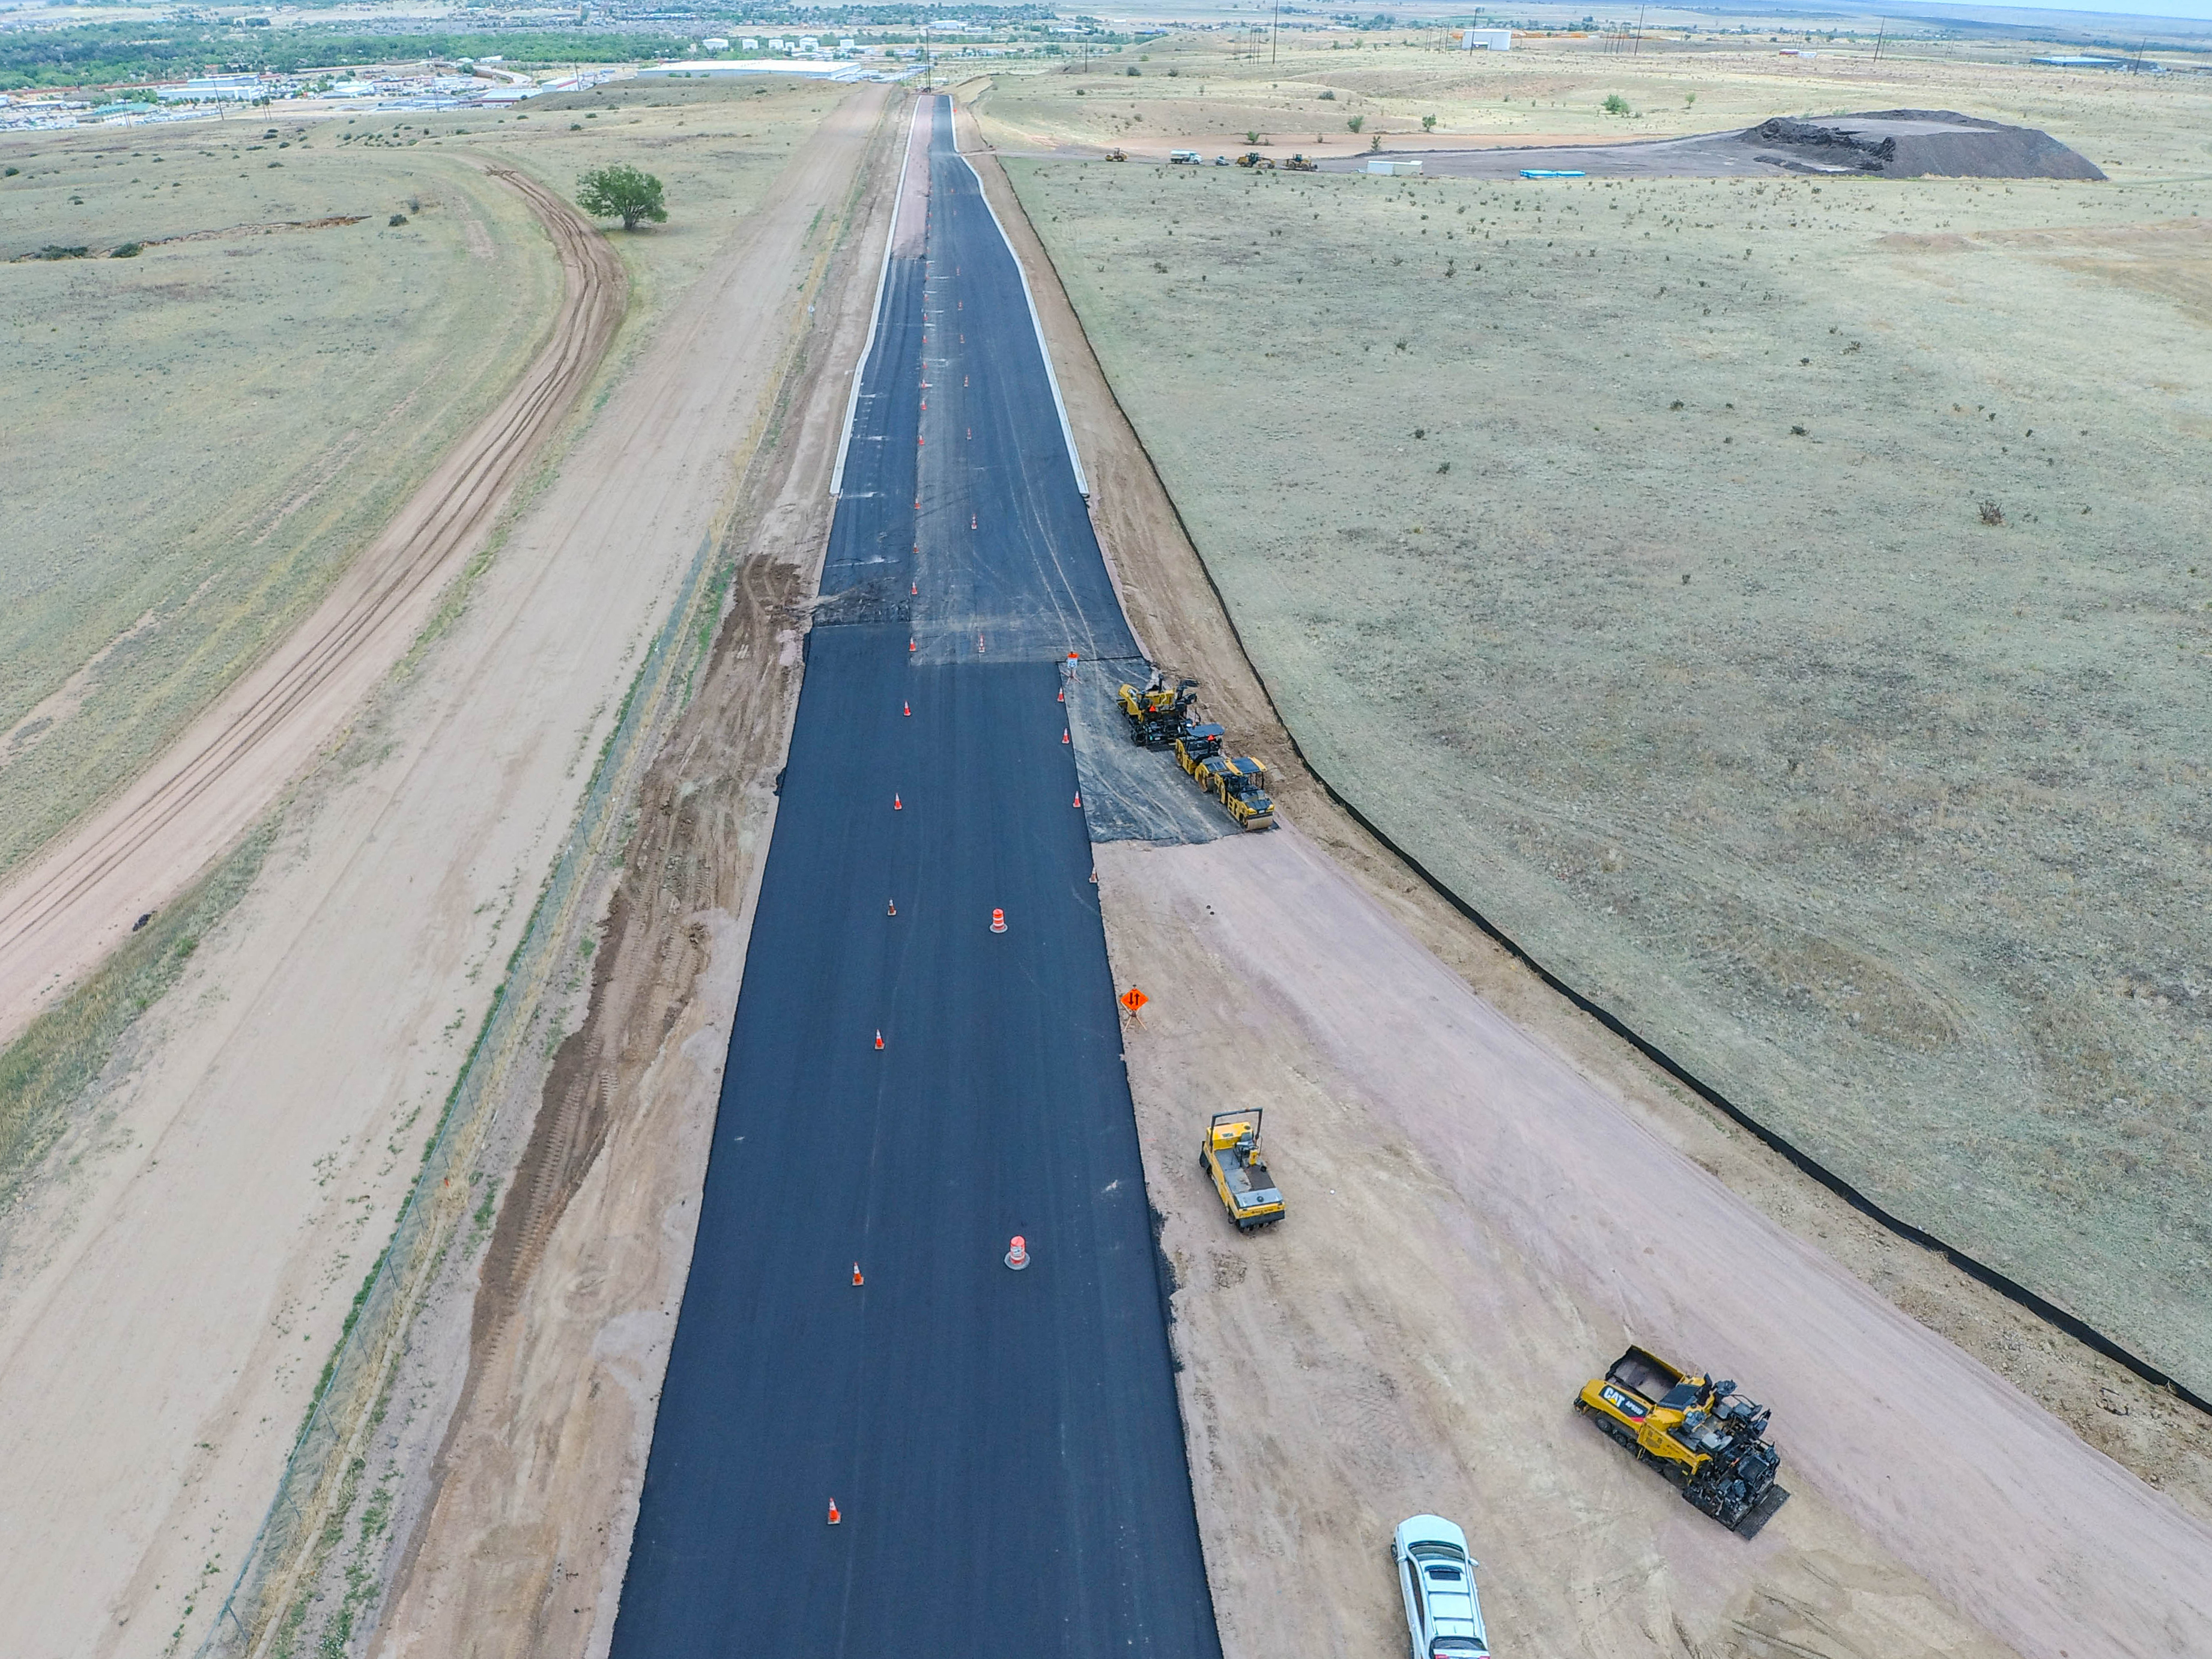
1004	1447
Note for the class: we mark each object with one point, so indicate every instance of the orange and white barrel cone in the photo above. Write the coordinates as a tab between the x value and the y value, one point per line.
833	1517
1017	1253
879	1039
998	921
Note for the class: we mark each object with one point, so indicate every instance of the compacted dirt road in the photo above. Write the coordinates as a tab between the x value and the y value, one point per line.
1475	1229
67	910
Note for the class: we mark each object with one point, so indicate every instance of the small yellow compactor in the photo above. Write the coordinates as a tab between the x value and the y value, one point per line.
1231	1158
1702	1435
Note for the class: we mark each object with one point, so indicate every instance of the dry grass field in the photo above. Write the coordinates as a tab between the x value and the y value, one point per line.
200	437
1783	606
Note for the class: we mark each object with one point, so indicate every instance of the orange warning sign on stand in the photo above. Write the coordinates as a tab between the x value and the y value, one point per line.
1133	1000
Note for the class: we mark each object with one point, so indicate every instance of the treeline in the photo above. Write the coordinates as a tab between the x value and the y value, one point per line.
107	54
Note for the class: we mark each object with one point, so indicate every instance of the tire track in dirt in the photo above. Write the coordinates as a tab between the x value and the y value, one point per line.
70	907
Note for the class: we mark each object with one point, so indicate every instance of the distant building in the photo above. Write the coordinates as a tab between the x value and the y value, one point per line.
1485	39
212	88
2074	60
714	43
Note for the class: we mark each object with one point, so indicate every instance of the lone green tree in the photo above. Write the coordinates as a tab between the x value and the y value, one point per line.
621	192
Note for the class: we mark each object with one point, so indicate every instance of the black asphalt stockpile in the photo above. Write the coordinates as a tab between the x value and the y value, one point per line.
1004	1446
1897	143
1915	143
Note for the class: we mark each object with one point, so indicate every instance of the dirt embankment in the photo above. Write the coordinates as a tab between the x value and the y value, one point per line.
518	1540
1304	1402
67	910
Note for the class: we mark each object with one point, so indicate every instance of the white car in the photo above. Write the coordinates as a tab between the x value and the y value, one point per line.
1443	1615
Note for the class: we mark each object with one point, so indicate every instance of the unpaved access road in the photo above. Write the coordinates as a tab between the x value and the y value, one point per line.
1475	1229
67	909
168	1300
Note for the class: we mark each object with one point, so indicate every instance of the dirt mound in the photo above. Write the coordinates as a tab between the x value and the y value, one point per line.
1912	143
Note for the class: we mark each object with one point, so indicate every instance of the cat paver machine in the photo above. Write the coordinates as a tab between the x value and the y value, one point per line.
1231	1159
1159	714
1702	1435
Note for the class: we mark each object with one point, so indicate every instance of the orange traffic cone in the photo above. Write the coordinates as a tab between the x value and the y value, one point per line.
833	1517
879	1039
998	921
1018	1254
891	906
1063	694
1078	802
914	589
897	805
1063	735
906	709
856	1273
909	643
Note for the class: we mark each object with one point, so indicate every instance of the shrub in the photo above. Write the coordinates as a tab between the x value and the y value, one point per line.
1615	104
1133	69
1356	123
1428	123
1327	94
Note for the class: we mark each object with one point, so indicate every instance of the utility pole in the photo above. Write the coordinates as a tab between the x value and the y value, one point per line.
1880	35
1636	49
1274	25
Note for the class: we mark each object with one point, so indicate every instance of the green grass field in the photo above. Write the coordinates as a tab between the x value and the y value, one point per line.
1620	550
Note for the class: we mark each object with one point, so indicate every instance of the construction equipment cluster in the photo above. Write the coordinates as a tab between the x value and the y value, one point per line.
1164	716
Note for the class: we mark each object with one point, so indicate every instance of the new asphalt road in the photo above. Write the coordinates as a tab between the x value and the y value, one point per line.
1003	1447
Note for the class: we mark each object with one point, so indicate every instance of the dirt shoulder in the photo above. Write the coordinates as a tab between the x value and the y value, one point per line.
519	1537
1178	616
